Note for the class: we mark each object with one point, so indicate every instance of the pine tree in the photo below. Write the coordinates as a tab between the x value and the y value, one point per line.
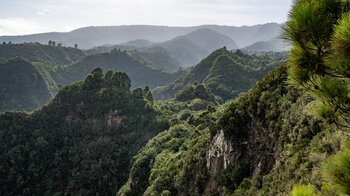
319	59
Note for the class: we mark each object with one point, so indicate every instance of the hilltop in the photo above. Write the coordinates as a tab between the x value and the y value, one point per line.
81	142
189	49
249	146
27	84
22	86
225	73
47	54
140	74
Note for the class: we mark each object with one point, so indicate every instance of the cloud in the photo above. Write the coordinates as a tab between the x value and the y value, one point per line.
19	26
61	15
40	13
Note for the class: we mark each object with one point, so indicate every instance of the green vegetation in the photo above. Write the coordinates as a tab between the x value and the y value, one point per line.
140	74
26	85
22	86
157	58
303	191
79	143
336	171
139	43
319	57
275	144
189	49
226	74
173	162
275	44
193	91
272	126
319	62
96	137
50	55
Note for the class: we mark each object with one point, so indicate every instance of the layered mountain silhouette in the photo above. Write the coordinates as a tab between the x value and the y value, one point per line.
225	73
89	37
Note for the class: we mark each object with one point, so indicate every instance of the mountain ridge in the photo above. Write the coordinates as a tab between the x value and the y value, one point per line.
88	37
218	72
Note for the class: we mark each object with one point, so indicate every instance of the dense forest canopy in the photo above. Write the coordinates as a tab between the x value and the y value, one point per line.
81	142
225	73
127	118
29	81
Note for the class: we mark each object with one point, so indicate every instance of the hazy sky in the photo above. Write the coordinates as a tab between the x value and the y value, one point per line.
34	16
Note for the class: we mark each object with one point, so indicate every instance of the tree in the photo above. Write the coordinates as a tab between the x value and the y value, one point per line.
138	93
121	80
303	190
319	59
94	79
336	170
76	46
50	43
319	32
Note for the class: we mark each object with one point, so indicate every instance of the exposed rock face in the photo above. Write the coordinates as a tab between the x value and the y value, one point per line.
253	154
113	117
224	153
220	153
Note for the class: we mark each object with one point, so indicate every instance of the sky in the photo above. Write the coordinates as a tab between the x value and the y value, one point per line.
20	17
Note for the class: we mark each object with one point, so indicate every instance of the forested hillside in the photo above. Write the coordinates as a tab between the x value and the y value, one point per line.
29	81
237	124
189	49
22	87
286	136
157	58
53	55
225	73
81	142
275	44
140	74
262	143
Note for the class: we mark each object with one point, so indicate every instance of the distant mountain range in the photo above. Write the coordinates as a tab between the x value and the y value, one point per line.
30	74
89	37
274	44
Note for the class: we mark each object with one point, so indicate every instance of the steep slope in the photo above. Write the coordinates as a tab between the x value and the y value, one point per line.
247	35
22	86
189	49
184	50
157	58
211	40
139	43
81	142
140	74
261	46
275	44
50	55
109	48
225	73
154	56
90	37
262	143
